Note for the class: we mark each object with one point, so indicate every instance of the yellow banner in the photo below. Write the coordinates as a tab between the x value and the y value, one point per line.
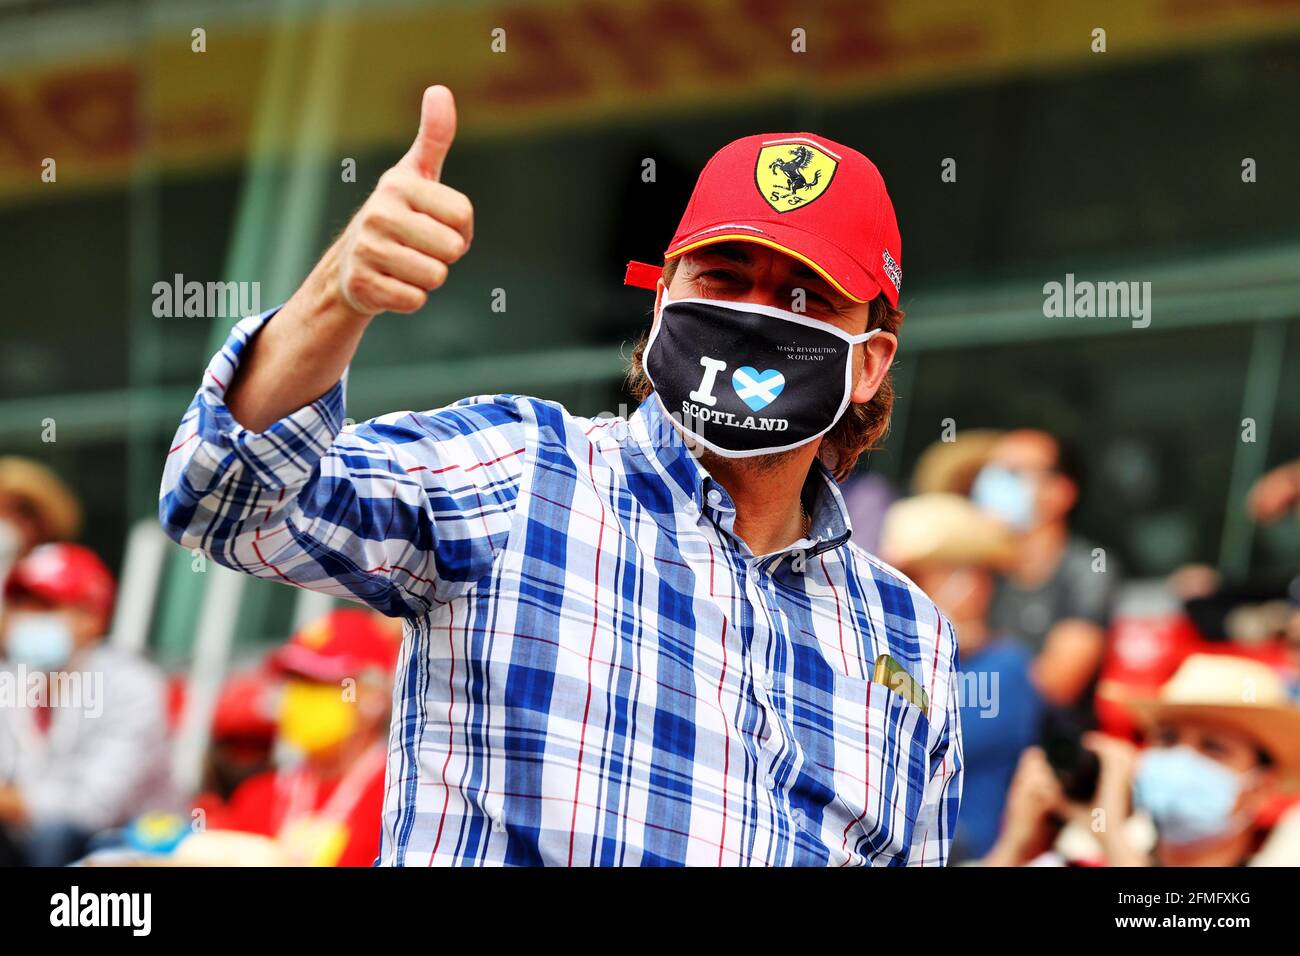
352	77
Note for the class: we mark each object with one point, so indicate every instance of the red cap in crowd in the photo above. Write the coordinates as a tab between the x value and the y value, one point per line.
65	575
809	197
246	708
341	644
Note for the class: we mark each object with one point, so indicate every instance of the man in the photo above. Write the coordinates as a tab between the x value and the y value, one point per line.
953	551
1056	597
82	726
616	652
323	805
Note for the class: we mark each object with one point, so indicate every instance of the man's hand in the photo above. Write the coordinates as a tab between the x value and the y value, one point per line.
395	250
400	244
1032	799
1275	493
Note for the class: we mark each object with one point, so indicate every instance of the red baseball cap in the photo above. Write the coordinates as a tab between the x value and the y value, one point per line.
804	195
341	644
65	575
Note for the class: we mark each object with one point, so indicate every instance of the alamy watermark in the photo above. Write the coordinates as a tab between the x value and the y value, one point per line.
205	300
1084	299
32	688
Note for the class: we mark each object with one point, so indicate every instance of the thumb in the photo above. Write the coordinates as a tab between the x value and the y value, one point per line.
437	130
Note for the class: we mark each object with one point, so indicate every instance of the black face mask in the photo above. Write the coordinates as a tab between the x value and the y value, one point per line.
746	379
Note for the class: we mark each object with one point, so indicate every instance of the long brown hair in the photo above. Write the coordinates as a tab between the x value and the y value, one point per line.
862	426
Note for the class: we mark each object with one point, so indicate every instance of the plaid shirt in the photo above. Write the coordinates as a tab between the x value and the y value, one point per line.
596	670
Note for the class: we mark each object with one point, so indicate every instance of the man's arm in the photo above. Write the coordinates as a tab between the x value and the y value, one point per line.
398	512
396	249
1075	645
1070	658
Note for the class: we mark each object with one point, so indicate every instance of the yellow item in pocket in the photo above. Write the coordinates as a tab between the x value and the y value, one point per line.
892	674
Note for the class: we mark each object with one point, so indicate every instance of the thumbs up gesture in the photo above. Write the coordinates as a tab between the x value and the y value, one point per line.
401	242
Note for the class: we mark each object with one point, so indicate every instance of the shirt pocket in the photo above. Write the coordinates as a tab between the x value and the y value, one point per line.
881	764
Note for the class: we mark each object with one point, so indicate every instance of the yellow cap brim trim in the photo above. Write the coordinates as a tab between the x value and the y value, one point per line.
742	237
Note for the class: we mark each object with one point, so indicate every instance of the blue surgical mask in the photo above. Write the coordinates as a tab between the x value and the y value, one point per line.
1007	496
40	641
1189	796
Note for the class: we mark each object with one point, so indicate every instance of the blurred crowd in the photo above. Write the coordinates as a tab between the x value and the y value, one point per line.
1091	737
1094	737
294	772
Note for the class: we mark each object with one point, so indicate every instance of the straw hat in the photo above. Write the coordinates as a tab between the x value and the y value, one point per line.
951	466
1236	692
946	529
52	500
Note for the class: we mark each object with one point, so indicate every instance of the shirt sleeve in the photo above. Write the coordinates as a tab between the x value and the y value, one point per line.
937	821
398	513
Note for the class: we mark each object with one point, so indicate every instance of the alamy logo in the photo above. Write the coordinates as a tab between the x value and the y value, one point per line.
205	300
1086	300
74	908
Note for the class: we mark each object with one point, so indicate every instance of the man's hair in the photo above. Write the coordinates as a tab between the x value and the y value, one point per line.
862	426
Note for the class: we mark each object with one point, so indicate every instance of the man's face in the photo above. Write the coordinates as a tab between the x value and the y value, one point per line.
1221	744
84	626
962	592
1032	457
1233	750
752	273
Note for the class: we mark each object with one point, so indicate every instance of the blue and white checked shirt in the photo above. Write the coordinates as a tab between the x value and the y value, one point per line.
595	670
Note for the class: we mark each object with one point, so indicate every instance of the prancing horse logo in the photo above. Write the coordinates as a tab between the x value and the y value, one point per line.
790	175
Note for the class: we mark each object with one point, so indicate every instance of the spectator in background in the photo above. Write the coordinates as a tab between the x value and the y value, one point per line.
951	467
1222	741
1055	596
952	551
323	804
88	749
243	732
1223	738
35	508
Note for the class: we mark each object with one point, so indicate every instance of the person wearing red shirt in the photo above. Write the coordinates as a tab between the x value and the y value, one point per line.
323	803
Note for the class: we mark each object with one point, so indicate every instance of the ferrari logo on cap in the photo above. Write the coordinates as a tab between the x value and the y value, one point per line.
793	174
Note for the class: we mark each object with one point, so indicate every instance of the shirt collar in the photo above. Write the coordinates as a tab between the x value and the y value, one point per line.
652	429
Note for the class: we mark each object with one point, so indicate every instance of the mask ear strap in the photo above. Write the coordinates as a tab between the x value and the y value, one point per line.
859	339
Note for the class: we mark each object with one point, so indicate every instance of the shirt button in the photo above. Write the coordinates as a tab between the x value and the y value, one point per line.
715	496
767	682
770	782
498	826
797	816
